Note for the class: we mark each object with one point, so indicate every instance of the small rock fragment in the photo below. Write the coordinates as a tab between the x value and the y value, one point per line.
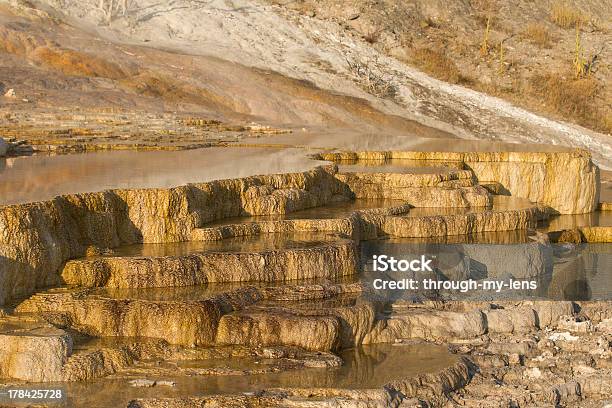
141	382
563	336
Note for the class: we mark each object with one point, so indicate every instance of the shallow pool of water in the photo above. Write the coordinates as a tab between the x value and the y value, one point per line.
207	291
561	271
344	209
252	243
581	272
571	221
328	211
42	177
365	367
403	166
500	203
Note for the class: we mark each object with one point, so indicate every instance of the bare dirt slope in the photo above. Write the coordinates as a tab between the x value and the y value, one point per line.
244	60
50	64
521	50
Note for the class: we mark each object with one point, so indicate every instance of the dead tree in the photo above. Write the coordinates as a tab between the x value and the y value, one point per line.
110	7
124	6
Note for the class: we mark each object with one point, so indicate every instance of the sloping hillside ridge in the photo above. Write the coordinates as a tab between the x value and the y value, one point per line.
329	56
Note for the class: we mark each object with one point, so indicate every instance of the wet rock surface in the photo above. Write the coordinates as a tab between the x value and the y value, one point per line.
567	182
65	227
126	290
270	257
255	291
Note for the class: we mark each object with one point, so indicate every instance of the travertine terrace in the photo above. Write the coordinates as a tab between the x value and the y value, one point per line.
147	267
194	196
64	228
566	182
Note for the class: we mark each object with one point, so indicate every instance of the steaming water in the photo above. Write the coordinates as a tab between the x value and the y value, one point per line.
42	177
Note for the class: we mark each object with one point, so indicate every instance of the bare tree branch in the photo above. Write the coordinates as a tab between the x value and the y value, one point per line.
112	8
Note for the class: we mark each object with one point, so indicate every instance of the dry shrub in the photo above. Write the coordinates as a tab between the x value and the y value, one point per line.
438	65
538	34
572	98
566	16
490	18
175	91
77	63
372	37
369	78
160	86
18	42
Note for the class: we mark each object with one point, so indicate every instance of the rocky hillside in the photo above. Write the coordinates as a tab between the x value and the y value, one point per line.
549	56
300	65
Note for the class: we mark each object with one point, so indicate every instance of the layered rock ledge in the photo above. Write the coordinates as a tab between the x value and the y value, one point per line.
330	257
568	182
82	239
37	239
583	234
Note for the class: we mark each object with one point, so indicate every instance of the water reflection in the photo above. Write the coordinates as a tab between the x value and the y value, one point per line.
43	177
366	367
571	221
500	203
200	292
252	243
404	166
329	211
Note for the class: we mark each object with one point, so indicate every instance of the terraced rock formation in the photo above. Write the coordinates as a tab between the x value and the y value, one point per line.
309	258
63	228
262	276
567	182
583	234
